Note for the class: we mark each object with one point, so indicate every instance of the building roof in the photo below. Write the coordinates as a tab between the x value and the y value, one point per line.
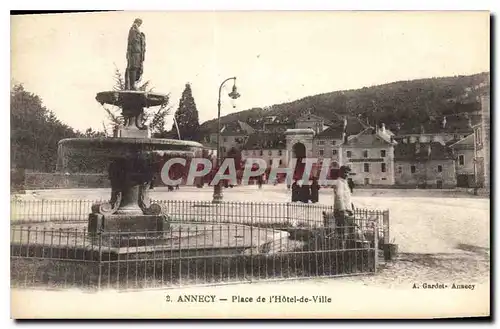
265	141
237	128
353	127
370	137
332	132
308	116
448	124
422	152
467	142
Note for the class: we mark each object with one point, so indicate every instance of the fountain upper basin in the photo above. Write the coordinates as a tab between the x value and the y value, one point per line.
131	97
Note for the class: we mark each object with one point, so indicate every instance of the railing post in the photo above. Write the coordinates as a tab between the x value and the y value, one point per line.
251	241
41	213
99	259
385	218
287	213
376	237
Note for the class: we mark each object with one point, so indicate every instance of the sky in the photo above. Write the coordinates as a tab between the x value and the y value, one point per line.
276	56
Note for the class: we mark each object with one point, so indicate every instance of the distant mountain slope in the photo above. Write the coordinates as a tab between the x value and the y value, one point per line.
409	103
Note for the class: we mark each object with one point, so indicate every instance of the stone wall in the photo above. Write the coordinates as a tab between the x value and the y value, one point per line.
40	181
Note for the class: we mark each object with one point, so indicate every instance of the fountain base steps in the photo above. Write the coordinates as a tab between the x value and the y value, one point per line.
127	223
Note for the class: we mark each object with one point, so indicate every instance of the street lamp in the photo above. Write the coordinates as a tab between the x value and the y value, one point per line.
217	197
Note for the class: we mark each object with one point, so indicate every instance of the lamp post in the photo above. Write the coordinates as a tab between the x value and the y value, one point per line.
217	197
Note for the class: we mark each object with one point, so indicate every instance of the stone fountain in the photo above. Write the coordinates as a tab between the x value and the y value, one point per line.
131	166
130	155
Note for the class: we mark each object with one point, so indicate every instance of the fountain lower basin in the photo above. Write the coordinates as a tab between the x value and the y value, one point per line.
132	164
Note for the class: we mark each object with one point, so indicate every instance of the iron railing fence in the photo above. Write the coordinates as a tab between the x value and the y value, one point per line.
58	254
253	213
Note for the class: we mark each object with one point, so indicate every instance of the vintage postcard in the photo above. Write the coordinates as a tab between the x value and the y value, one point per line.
259	164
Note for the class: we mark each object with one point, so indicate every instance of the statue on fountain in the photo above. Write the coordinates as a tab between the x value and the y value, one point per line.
133	101
136	51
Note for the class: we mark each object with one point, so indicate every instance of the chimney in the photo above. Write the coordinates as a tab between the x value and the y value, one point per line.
429	149
470	123
443	123
417	148
422	129
382	128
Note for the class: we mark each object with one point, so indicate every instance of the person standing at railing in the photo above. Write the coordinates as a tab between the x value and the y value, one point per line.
343	209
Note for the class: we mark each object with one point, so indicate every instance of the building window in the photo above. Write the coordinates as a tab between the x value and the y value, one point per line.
365	154
270	152
349	154
225	139
382	167
461	160
321	152
334	142
334	152
383	178
281	162
280	152
413	169
382	153
400	169
478	136
245	152
440	168
367	181
366	167
261	153
321	142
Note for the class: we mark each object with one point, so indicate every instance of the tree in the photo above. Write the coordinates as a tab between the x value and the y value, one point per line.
35	132
155	120
90	133
187	116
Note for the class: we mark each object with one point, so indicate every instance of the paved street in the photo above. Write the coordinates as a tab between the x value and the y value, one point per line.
444	236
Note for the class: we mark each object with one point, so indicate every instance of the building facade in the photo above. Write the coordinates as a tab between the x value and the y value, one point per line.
463	151
370	155
441	153
424	165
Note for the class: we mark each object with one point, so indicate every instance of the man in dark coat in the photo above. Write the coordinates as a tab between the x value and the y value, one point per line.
295	192
315	190
305	192
351	184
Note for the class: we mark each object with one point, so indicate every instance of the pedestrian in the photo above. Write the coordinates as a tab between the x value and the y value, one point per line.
295	192
305	192
351	184
315	190
343	207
